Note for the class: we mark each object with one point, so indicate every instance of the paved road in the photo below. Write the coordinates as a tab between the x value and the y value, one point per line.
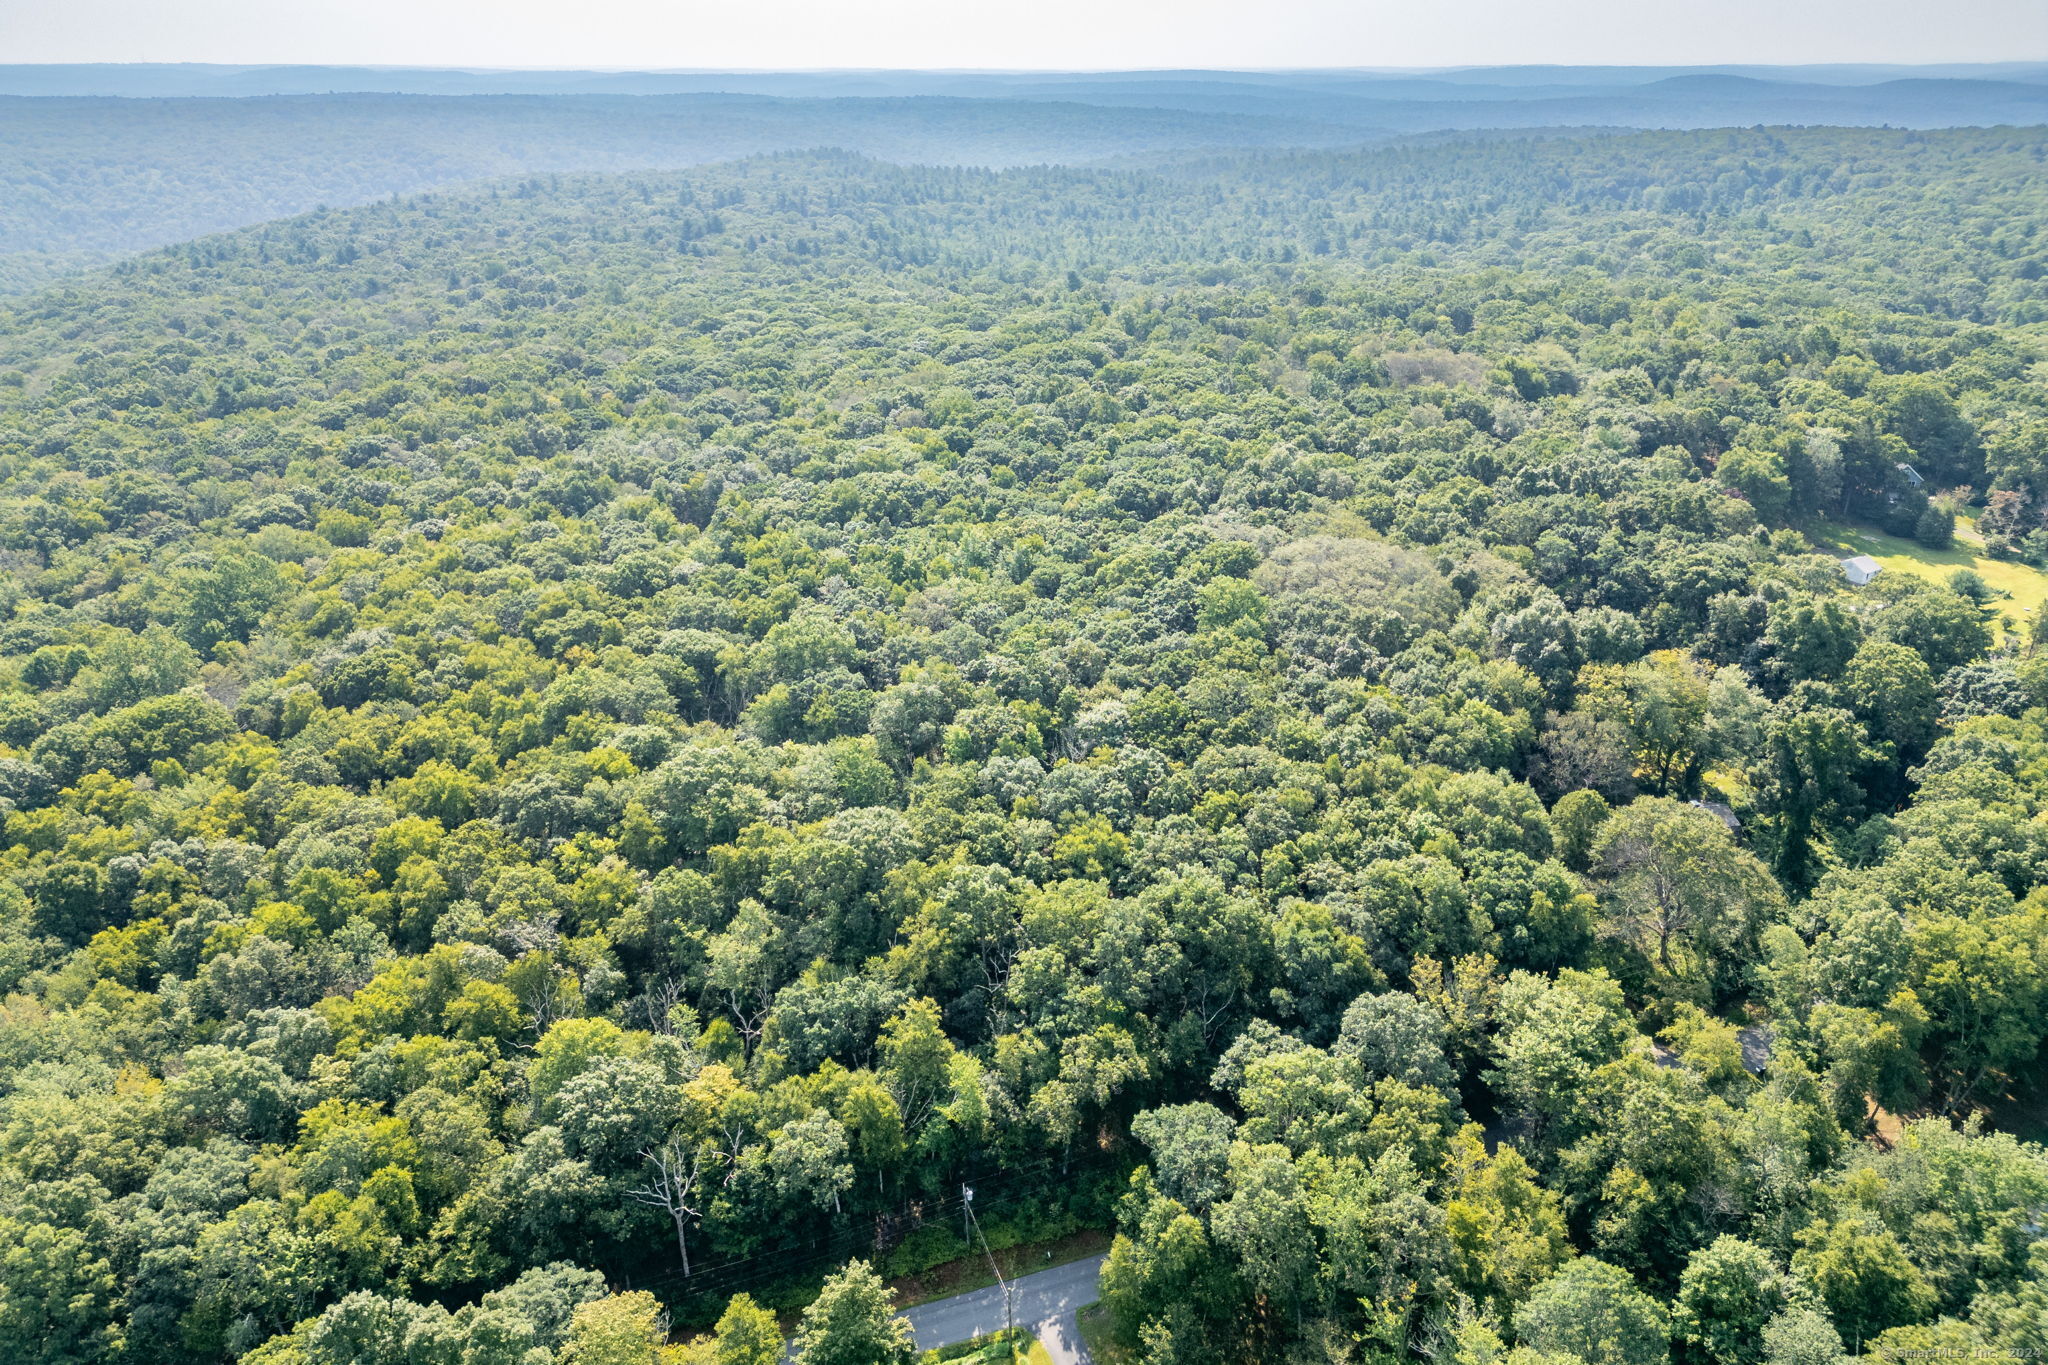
1046	1302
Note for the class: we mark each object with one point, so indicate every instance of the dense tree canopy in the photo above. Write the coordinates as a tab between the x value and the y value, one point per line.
579	746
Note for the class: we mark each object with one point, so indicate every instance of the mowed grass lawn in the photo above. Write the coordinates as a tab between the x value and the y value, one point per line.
2026	588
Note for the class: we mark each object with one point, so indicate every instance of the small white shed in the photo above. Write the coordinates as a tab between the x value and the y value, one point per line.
1861	569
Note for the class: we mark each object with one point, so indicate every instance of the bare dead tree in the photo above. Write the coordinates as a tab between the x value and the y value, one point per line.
542	1000
674	1187
659	1001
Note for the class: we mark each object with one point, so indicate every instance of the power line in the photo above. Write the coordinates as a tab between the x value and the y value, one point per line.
919	1213
836	1246
1009	1304
792	1259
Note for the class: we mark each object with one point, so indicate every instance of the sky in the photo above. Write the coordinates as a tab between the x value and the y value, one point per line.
1019	34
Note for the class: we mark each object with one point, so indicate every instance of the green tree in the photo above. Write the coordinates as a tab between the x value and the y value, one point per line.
1190	1146
1264	1224
1810	780
1576	821
1553	1035
1801	1336
1944	628
1891	690
1936	528
1507	1233
1680	890
1759	475
1729	1294
222	597
620	1329
852	1322
1594	1311
1863	1276
56	1296
747	1334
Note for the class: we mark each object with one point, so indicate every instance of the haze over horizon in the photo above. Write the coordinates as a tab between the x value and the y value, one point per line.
1065	35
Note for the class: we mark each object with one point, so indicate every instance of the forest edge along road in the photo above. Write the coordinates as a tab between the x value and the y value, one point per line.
1046	1302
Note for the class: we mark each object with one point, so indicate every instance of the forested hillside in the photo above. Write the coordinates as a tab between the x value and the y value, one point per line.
84	181
583	745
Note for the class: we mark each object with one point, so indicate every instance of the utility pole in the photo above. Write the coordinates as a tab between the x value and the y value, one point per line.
1009	1305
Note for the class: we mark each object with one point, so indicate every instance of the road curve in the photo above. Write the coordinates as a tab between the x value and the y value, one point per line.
1046	1301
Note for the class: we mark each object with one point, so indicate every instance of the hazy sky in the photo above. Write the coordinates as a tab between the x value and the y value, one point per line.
1066	34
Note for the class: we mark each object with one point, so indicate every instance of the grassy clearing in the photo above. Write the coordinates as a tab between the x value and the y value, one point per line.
2025	588
999	1348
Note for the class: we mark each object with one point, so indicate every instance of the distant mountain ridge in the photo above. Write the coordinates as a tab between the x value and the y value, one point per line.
1410	101
151	80
86	179
100	160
